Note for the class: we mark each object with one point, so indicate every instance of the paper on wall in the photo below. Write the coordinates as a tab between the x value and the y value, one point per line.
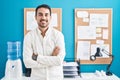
82	14
54	20
98	35
105	33
83	50
100	42
86	32
99	20
104	46
98	30
31	22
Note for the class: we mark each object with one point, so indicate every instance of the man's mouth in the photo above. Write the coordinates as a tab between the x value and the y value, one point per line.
43	21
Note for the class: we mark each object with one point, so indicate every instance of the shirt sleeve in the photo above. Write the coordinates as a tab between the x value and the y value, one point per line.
54	60
27	53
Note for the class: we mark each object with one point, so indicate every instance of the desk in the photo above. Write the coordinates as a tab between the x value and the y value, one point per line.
92	76
85	76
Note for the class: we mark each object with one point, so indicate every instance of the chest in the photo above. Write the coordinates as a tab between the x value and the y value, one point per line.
44	46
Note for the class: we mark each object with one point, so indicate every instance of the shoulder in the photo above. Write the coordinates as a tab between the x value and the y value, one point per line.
31	33
57	34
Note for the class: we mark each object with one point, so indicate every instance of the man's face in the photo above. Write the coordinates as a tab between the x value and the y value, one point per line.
43	17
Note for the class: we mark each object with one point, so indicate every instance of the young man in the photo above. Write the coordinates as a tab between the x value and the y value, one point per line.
44	48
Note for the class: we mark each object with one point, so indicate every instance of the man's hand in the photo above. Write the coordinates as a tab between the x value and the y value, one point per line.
56	51
34	56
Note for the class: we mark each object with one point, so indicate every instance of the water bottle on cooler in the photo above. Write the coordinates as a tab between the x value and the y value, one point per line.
13	69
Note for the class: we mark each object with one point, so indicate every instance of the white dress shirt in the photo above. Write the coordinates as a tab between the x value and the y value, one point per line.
47	67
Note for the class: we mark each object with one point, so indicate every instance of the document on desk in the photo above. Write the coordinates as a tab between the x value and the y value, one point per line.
70	69
66	68
70	73
70	64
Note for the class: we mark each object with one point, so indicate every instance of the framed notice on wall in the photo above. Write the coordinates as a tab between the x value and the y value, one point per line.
93	33
30	22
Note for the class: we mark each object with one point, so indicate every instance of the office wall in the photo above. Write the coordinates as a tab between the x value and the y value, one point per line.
12	23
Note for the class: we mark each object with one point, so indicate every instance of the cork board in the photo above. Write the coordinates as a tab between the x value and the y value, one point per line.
93	31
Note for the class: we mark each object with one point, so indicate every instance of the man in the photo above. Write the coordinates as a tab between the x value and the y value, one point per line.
44	48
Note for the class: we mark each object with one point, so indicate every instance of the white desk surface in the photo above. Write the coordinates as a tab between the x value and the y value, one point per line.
85	76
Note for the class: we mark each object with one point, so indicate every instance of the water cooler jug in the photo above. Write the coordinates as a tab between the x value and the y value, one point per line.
13	69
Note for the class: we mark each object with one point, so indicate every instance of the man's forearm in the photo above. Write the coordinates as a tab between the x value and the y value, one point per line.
56	51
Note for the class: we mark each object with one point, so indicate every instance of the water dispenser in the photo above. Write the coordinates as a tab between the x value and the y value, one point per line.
13	69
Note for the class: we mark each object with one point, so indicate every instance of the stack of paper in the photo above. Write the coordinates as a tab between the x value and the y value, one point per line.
71	69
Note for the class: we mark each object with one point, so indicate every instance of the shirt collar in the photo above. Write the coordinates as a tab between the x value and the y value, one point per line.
47	32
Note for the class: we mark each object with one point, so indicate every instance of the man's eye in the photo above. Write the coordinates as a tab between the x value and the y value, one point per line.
46	15
40	14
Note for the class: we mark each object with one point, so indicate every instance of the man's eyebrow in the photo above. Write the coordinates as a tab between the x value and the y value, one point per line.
39	12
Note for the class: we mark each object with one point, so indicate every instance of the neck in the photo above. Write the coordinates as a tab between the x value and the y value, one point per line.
43	30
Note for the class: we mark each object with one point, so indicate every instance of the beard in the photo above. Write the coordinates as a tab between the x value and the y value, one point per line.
43	24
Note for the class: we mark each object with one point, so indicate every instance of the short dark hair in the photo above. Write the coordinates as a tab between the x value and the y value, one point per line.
42	6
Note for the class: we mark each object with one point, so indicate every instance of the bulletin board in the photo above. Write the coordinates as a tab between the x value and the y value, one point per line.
30	22
93	29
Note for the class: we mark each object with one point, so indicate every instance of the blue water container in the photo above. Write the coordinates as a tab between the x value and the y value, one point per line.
13	69
14	50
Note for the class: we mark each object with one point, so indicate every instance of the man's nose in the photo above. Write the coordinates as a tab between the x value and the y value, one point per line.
43	17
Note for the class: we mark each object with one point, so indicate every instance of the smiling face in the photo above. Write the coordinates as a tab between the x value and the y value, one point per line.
43	17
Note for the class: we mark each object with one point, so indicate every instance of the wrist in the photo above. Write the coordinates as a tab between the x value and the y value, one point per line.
34	57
